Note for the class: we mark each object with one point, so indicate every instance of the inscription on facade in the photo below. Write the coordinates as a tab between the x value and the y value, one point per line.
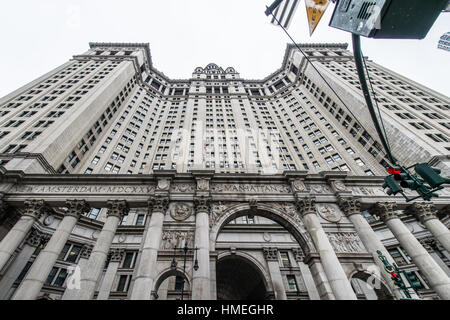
252	188
82	189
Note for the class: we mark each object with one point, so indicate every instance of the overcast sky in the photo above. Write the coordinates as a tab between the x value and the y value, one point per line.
38	35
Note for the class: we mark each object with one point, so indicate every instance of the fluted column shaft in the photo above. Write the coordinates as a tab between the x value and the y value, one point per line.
351	208
33	210
31	286
96	263
437	278
201	278
337	278
146	273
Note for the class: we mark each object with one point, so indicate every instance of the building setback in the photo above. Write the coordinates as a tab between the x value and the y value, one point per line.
108	166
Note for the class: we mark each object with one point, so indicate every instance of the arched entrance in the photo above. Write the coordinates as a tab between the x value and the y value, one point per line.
238	278
170	286
368	288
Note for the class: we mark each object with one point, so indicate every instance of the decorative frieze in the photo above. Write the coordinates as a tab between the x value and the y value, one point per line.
346	242
34	208
424	211
183	188
76	208
180	211
298	185
349	205
118	208
270	253
289	211
178	239
163	184
338	186
306	206
385	210
202	184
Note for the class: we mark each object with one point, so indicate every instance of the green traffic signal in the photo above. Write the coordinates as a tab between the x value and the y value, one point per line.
394	188
430	175
414	282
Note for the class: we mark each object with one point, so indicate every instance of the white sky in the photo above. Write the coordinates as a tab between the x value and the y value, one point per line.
38	36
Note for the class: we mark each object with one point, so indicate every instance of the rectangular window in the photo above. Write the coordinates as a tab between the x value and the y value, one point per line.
292	283
285	259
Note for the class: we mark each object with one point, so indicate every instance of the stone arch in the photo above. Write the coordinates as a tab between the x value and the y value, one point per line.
169	272
291	222
252	260
382	293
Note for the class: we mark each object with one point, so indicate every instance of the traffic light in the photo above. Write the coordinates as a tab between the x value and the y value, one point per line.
406	179
394	188
430	175
414	282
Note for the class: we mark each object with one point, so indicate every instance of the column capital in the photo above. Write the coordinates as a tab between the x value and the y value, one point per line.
159	203
116	255
270	253
423	211
86	251
306	206
349	205
118	208
385	210
75	208
202	204
34	208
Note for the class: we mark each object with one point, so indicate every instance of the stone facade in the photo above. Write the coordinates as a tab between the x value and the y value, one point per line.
200	180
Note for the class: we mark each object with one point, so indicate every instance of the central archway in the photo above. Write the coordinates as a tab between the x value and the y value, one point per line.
239	279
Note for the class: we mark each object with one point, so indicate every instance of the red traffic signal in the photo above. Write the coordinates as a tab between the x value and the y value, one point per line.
394	170
394	275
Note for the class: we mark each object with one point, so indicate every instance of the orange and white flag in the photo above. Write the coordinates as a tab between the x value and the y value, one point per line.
315	10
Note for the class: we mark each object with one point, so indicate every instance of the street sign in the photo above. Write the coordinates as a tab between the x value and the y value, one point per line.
315	10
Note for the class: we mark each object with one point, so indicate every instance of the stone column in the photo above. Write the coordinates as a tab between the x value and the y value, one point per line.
337	278
110	274
306	274
74	284
31	286
201	277
32	212
352	209
426	213
33	240
437	278
146	270
271	255
117	209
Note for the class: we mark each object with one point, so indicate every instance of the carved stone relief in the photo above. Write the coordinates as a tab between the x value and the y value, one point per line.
346	242
329	212
183	187
217	209
180	211
317	188
173	238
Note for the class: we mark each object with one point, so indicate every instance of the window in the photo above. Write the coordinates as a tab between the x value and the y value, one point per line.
179	283
140	220
397	256
93	214
285	259
94	161
70	253
129	260
124	283
292	283
56	277
359	162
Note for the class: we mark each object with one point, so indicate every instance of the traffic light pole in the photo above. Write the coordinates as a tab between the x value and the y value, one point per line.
362	80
